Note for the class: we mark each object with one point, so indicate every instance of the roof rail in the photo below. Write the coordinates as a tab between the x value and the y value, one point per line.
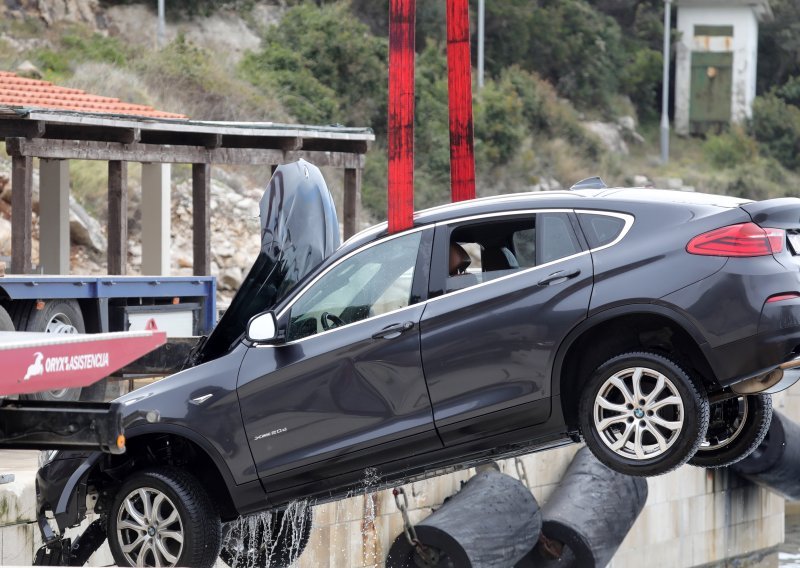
595	182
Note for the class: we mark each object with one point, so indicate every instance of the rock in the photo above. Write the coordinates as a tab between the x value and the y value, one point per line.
546	184
641	181
29	70
84	229
5	234
248	206
609	134
669	183
185	262
627	123
230	278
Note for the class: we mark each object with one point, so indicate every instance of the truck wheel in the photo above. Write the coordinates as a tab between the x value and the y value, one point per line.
642	414
6	324
737	427
275	539
57	316
163	517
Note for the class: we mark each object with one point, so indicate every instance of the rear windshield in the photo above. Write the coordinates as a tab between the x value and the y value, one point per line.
600	229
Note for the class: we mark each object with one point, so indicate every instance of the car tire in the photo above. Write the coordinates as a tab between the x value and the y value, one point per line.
736	428
275	539
6	323
184	529
57	316
648	429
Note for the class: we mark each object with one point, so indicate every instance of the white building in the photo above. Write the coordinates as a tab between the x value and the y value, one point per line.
716	55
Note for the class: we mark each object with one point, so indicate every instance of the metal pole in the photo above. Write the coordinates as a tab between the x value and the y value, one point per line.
481	15
161	25
665	83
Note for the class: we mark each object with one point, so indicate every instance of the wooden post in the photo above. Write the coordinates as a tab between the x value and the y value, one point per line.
201	196
21	210
156	218
54	216
352	188
117	217
402	16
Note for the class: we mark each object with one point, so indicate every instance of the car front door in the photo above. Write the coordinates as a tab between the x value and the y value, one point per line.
490	331
346	387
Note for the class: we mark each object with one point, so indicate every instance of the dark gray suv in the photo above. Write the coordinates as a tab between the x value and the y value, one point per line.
651	324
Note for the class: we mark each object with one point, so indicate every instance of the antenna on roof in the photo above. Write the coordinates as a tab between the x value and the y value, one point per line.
595	182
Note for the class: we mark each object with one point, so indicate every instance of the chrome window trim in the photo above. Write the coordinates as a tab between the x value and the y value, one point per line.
624	216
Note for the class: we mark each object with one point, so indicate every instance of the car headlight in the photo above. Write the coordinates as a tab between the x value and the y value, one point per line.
46	456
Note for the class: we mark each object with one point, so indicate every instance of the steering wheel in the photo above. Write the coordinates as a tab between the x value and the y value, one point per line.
330	321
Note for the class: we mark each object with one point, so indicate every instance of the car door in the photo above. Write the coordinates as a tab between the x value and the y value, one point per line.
346	387
490	332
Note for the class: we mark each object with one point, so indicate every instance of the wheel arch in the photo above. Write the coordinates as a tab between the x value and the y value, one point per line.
617	330
171	444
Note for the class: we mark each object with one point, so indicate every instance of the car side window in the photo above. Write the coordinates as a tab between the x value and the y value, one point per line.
369	283
483	251
600	229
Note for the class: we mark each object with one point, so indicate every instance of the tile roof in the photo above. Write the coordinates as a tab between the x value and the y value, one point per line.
23	92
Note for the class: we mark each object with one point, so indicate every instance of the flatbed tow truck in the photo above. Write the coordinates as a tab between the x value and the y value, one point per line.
34	362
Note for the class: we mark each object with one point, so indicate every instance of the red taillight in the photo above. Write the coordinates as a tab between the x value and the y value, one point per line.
746	239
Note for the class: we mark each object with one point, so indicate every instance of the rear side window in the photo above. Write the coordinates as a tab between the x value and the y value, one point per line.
556	237
600	230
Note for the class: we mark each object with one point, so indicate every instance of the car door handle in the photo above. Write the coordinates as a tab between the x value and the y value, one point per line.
560	276
394	330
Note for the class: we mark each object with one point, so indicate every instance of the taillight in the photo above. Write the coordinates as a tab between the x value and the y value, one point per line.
783	297
746	239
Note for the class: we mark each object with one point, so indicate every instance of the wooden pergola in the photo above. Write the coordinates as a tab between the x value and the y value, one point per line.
55	137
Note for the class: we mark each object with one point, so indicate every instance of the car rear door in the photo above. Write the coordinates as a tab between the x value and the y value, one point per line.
352	395
489	336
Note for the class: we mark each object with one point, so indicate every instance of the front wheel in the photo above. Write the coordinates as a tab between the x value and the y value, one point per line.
642	414
737	427
163	517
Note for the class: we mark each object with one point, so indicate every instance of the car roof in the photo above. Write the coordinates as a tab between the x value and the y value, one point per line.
611	199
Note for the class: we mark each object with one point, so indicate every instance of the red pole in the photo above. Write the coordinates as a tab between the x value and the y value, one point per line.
401	114
459	89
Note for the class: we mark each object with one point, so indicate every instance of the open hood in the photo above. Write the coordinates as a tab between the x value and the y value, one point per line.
299	229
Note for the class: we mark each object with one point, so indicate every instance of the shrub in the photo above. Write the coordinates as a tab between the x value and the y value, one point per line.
731	148
641	80
499	122
776	125
325	65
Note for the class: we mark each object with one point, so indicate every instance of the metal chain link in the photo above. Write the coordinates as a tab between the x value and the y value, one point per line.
408	529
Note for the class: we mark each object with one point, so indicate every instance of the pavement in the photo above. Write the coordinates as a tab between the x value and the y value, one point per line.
12	461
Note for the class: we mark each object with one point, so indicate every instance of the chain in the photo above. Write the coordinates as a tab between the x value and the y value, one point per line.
520	467
428	558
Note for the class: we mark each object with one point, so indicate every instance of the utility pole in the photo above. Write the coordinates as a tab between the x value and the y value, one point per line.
481	31
665	84
161	37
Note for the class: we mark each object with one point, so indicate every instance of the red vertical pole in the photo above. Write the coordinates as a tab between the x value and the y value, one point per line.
459	89
401	114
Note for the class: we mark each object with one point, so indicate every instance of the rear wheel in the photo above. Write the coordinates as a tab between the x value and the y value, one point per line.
275	539
163	517
642	414
56	316
737	427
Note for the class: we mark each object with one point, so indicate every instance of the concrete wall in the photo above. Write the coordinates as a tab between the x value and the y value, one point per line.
745	56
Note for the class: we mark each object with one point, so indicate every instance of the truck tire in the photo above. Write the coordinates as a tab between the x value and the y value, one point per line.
642	414
275	539
57	316
163	517
737	427
6	324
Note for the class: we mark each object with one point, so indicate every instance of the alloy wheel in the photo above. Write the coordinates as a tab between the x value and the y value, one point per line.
638	413
149	529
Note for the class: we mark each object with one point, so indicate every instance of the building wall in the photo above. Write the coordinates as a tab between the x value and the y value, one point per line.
745	56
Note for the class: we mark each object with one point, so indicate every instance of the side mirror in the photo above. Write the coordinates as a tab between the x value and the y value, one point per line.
262	328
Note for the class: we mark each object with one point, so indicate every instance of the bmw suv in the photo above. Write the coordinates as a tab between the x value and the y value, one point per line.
651	324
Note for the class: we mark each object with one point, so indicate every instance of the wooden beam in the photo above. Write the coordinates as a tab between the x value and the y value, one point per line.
201	197
117	217
138	152
21	209
352	189
22	128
